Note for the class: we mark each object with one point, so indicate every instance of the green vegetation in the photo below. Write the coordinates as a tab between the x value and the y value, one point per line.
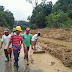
21	23
48	15
6	18
58	20
44	15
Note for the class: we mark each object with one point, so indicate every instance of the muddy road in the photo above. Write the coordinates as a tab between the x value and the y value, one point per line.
9	66
37	62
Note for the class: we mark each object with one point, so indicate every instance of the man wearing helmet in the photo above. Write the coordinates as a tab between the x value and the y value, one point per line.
16	40
5	39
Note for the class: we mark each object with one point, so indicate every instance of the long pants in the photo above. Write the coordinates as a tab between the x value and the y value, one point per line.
16	55
6	54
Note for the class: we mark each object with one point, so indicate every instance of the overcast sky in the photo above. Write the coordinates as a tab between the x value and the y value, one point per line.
20	8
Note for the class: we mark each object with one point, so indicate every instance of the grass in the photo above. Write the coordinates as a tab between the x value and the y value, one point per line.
46	28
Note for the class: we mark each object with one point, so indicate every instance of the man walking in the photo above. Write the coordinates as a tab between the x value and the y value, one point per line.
5	39
27	40
16	40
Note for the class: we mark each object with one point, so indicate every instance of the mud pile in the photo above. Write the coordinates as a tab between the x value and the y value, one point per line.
62	52
58	34
2	31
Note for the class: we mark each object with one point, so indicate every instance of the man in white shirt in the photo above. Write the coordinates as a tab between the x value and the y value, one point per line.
5	39
34	41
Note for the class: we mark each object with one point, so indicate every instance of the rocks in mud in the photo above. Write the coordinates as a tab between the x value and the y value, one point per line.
67	59
51	63
57	69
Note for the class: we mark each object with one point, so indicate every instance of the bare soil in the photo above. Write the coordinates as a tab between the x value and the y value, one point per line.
53	33
62	52
2	31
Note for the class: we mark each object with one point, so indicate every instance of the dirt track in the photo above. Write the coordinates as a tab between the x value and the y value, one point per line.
59	49
48	63
37	63
9	66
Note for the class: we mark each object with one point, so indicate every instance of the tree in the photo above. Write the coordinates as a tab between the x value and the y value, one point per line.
1	8
21	23
57	19
35	2
2	20
32	2
37	20
47	15
6	18
9	18
62	4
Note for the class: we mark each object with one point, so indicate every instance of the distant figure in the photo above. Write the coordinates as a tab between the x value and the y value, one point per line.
16	40
27	40
34	41
14	30
5	39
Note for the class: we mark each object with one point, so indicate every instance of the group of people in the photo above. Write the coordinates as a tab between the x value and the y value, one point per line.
12	43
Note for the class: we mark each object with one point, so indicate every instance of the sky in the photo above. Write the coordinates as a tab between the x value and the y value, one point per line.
20	8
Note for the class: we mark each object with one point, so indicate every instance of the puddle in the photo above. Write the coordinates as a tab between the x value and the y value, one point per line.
69	44
48	63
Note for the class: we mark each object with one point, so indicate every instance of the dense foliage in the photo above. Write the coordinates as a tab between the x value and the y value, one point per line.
37	20
58	15
6	18
21	23
43	15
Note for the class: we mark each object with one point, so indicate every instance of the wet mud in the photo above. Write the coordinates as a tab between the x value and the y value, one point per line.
57	57
23	67
59	49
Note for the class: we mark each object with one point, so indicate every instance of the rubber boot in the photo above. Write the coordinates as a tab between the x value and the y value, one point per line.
26	57
7	59
16	64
